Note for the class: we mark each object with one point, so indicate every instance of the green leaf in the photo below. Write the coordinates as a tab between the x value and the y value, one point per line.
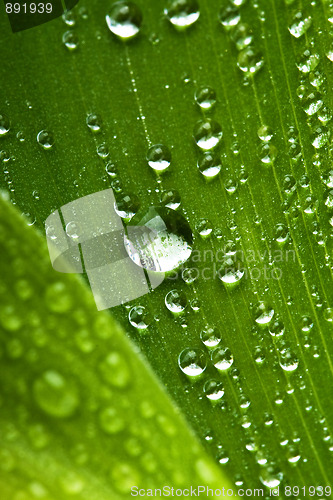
270	65
82	415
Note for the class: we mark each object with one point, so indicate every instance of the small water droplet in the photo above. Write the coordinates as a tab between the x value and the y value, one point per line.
300	25
182	13
55	395
93	122
70	40
210	337
192	362
124	19
263	313
229	16
205	97
45	139
207	134
176	301
265	133
139	317
4	124
213	389
222	358
159	157
250	61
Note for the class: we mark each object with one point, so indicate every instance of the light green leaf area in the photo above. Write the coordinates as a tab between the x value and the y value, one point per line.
82	416
262	407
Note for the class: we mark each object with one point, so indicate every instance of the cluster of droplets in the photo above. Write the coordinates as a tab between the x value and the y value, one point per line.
249	59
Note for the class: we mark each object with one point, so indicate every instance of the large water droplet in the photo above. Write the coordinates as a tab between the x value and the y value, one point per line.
192	362
45	139
139	317
205	97
263	313
250	61
207	134
300	25
209	165
124	19
55	395
176	301
182	13
159	157
213	389
4	124
168	245
222	358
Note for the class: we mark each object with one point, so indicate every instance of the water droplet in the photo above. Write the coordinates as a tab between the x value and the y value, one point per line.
190	275
308	62
169	245
229	16
231	271
328	178
204	228
328	314
306	323
171	199
267	153
288	361
4	124
159	157
210	337
176	301
124	19
271	477
265	133
281	233
123	476
73	230
110	420
222	358
250	61
139	317
126	206
213	389
45	139
329	198
242	36
205	97
209	165
263	313
300	25
55	395
114	370
192	362
207	134
58	298
70	40
93	122
182	13
102	150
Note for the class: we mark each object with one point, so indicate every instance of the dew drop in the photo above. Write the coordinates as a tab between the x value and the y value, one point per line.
123	476
250	61
229	16
175	301
159	157
271	477
168	244
288	361
265	133
182	13
70	40
210	337
192	362
205	97
114	370
267	153
207	134
242	36
171	199
110	421
126	206
124	19
213	389
209	165
231	271
73	230
300	25
139	317
93	122
4	125
222	358
55	395
45	139
263	313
